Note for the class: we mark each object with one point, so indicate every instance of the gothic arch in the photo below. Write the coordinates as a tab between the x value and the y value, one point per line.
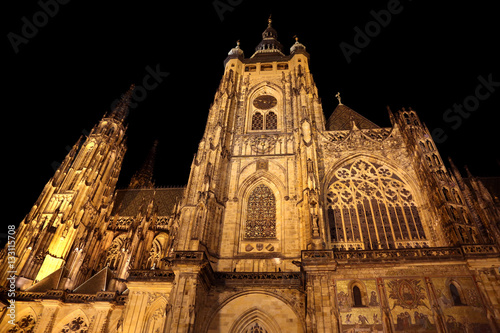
278	91
25	321
363	294
225	319
76	321
114	253
249	176
255	317
157	250
154	318
457	295
372	159
261	178
372	204
253	119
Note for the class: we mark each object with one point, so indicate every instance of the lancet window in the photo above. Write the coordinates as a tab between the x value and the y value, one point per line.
261	213
271	121
257	121
154	254
115	251
371	207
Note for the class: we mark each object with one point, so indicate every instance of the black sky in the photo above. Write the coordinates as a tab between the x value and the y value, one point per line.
67	74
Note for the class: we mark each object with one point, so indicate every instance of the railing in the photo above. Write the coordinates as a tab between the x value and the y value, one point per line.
463	252
151	275
69	297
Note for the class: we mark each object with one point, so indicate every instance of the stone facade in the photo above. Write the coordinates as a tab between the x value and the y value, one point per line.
289	223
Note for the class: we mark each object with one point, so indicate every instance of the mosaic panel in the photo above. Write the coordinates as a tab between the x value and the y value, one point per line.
364	318
462	312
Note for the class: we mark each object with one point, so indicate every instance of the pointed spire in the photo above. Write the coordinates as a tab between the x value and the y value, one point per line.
144	177
120	111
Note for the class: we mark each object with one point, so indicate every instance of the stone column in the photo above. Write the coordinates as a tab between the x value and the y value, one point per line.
491	313
47	320
436	309
384	304
321	314
192	274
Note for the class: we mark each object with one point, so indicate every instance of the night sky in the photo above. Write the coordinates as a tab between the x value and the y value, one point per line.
66	64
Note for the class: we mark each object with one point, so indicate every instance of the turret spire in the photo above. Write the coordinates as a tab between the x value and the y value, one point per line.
144	177
120	111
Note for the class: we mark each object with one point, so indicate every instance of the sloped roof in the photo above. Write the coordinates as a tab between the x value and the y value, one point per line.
129	201
98	282
342	117
50	282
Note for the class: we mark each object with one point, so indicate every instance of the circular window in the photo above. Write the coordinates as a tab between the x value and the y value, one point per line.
265	102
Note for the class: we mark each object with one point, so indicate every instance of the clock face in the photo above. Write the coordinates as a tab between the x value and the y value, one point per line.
264	102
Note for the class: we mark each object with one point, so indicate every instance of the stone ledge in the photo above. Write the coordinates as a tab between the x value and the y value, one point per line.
259	278
151	275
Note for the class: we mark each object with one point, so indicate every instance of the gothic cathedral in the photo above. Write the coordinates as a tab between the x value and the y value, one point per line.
288	223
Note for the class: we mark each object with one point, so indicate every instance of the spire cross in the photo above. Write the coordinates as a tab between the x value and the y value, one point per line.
338	97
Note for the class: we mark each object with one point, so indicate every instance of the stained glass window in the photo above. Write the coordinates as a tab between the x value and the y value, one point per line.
261	214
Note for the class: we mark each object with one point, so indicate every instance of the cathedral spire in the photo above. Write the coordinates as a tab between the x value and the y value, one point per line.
144	177
120	111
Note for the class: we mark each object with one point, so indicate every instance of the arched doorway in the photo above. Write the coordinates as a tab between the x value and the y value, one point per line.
255	312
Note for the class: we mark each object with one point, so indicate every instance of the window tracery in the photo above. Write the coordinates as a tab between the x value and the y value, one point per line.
155	254
77	325
368	204
255	328
115	251
271	121
24	325
261	213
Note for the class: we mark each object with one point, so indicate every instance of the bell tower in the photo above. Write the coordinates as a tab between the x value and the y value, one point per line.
252	201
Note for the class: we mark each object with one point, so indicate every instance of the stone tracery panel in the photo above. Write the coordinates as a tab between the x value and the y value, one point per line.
370	207
77	325
261	213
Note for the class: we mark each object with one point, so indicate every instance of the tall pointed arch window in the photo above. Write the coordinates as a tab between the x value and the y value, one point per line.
261	213
371	206
155	254
115	251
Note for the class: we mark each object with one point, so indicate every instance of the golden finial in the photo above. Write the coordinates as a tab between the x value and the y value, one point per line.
269	20
296	38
